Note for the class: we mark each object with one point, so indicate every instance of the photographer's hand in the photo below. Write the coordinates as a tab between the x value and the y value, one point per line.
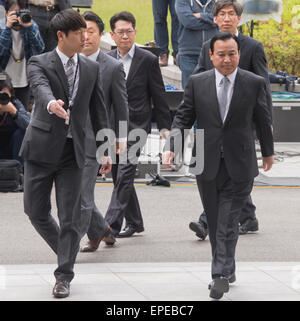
10	108
11	18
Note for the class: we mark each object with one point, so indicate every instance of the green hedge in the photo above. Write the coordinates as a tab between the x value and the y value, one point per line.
282	40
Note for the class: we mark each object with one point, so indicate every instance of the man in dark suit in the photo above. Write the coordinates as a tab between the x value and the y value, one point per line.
225	101
42	12
115	94
66	88
227	15
144	83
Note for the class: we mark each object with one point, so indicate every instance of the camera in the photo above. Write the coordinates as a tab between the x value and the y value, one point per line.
25	16
4	98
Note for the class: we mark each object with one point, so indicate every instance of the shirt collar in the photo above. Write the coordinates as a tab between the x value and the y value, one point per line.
220	76
130	53
64	59
94	56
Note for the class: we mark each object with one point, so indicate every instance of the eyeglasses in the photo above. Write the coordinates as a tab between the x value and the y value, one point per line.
230	15
121	33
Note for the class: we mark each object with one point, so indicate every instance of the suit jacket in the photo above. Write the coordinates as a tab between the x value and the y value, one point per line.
235	136
46	134
63	4
144	83
113	82
252	59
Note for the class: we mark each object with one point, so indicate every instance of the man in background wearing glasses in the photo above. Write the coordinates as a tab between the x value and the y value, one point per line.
144	84
227	15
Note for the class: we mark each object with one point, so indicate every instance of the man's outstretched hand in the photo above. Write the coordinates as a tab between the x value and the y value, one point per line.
106	165
167	159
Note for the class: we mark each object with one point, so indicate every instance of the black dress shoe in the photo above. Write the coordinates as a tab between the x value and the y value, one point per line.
218	287
248	226
61	289
109	240
200	229
129	231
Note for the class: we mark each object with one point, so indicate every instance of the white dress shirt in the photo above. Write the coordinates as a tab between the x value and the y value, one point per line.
127	59
231	79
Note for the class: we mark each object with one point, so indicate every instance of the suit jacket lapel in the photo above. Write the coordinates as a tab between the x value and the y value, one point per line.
82	78
134	64
113	53
60	71
101	59
238	84
215	103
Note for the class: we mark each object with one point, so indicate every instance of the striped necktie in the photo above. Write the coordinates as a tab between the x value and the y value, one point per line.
223	96
70	75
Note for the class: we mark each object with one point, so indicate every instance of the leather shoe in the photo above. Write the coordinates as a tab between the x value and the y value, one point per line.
92	245
163	60
200	230
248	226
129	231
109	240
231	278
218	287
61	289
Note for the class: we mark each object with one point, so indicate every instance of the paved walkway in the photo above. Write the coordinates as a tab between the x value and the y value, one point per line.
152	281
168	263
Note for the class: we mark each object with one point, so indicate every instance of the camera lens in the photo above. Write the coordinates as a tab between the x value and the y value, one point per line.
4	98
25	17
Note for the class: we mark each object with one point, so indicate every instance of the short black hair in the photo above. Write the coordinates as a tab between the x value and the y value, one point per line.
11	3
124	15
223	36
6	83
92	16
220	4
67	20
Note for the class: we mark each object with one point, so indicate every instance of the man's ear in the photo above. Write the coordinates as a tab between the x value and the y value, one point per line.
210	54
59	35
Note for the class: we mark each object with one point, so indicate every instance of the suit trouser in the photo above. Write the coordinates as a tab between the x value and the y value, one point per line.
124	201
223	200
93	222
248	212
38	182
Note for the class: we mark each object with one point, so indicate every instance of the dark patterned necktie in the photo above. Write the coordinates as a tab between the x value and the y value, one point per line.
70	75
222	96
